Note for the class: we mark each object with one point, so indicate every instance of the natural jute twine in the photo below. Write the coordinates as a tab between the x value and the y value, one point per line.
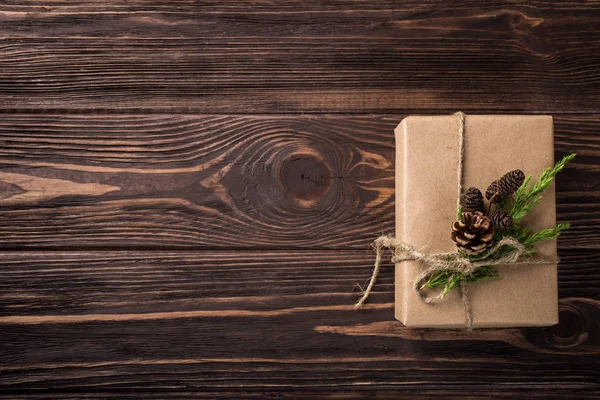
402	251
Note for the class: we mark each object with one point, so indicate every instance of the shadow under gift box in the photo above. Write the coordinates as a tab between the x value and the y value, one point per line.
426	194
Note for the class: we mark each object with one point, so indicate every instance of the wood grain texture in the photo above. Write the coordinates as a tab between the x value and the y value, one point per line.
192	323
280	57
174	226
164	181
187	181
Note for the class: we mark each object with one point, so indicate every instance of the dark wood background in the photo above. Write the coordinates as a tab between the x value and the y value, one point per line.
188	192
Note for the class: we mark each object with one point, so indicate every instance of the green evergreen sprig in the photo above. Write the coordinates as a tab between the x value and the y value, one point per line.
527	197
531	239
524	200
450	279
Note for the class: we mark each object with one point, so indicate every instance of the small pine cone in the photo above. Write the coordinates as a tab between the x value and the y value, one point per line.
472	200
473	234
501	220
505	186
511	181
492	193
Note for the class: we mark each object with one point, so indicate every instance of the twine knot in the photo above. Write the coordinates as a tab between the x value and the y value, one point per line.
507	251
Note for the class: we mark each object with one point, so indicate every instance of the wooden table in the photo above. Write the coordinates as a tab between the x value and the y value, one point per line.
188	193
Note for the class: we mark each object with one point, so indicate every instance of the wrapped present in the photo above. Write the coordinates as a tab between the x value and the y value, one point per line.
427	159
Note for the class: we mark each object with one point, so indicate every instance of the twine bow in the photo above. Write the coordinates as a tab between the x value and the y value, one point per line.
512	251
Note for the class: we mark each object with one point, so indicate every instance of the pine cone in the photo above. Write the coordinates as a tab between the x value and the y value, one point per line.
501	220
505	186
474	234
472	200
492	193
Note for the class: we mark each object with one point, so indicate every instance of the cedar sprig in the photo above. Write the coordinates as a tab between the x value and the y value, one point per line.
531	239
527	197
450	279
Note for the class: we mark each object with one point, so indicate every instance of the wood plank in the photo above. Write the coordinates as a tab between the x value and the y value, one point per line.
113	324
275	57
160	181
358	393
304	393
216	7
195	181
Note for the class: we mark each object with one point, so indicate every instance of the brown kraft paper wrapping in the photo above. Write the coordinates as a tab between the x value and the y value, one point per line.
426	191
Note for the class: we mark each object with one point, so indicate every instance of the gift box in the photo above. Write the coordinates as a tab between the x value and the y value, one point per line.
426	191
